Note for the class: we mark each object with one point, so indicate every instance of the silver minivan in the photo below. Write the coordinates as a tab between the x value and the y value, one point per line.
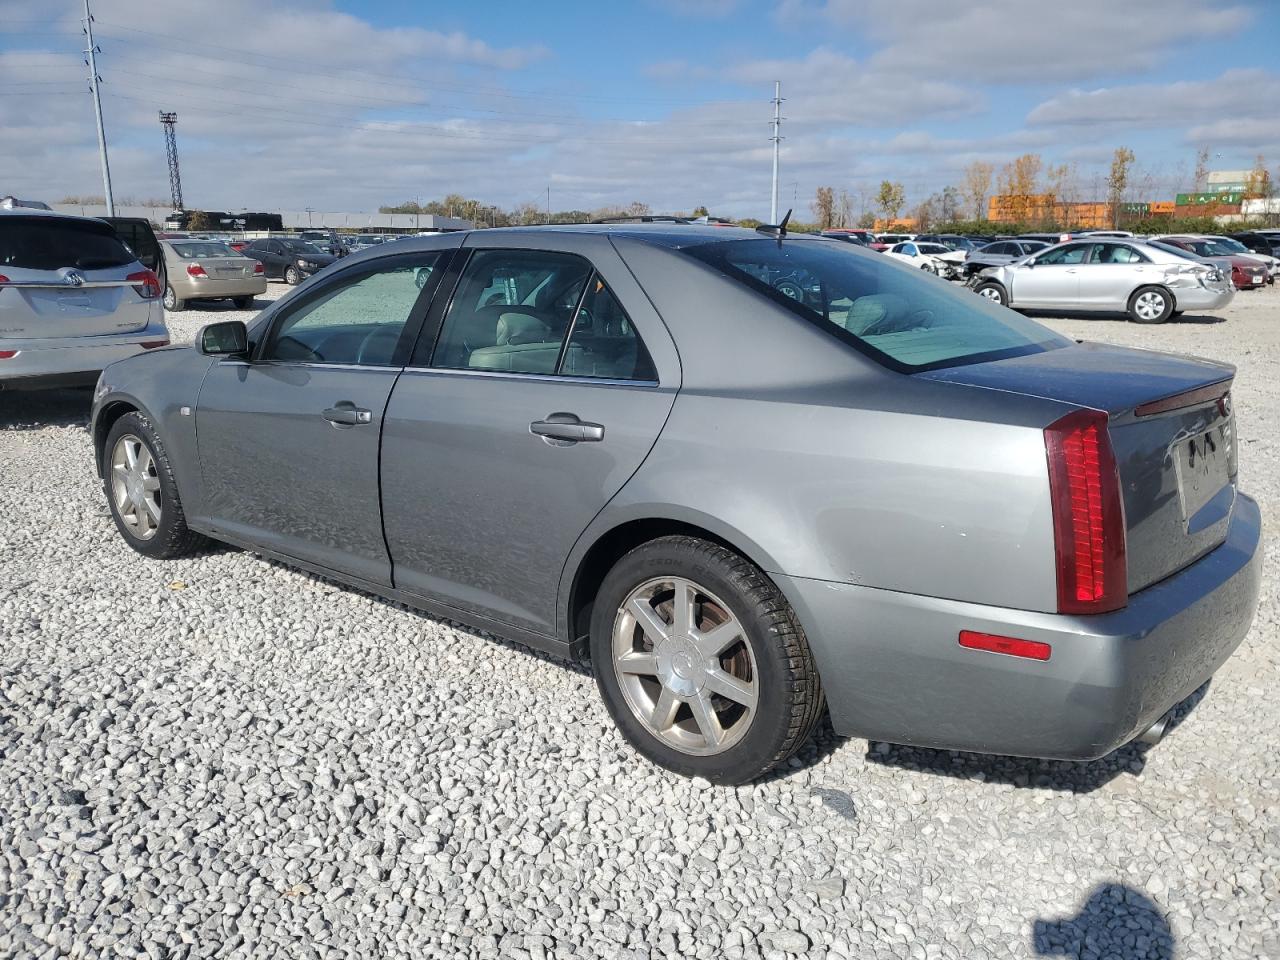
73	299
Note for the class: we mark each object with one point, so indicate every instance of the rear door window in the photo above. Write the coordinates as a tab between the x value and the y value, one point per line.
52	243
1071	253
883	308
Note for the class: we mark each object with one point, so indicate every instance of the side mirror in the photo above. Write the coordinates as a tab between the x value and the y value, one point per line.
227	339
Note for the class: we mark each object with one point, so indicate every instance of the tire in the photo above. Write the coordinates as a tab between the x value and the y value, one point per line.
292	276
171	301
993	291
776	695
1150	305
170	537
929	268
243	303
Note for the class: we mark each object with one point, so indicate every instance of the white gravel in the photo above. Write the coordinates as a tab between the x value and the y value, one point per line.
224	757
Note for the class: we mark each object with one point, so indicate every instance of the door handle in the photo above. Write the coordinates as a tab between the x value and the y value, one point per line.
562	429
347	414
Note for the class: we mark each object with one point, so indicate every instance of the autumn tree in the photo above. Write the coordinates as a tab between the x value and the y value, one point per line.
844	209
1201	174
891	198
1061	180
700	211
1258	182
977	184
1118	180
199	220
824	207
1019	180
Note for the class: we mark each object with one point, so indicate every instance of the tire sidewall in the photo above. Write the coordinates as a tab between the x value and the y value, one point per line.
992	285
1165	314
171	301
171	525
292	276
769	726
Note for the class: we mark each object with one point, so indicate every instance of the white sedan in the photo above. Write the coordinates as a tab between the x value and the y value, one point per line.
933	257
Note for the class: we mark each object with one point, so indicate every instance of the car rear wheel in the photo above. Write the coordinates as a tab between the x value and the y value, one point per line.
993	291
701	662
243	303
171	301
142	492
292	276
1150	305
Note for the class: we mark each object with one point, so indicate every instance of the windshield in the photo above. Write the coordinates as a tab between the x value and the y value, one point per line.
889	311
1176	251
301	246
205	249
1221	249
51	243
1235	246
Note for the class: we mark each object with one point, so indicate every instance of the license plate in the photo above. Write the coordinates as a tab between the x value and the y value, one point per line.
1202	469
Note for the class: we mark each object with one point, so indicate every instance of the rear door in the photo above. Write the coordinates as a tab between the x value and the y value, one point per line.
1050	280
1110	273
67	277
288	441
547	386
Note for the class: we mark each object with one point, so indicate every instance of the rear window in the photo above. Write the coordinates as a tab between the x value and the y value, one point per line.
887	310
208	249
49	243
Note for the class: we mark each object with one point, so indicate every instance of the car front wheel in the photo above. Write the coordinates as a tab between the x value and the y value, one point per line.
992	291
142	491
701	662
1150	305
292	276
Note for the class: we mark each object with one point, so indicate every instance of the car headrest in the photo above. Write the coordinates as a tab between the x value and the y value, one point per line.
516	328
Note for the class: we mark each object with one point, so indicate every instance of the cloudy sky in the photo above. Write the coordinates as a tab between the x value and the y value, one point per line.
347	104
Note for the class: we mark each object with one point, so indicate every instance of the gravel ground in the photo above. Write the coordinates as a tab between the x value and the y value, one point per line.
224	757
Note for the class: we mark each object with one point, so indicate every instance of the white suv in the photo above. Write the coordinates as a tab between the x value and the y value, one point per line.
73	298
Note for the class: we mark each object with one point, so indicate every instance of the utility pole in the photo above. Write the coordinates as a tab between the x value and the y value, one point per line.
777	140
168	121
548	203
417	213
94	80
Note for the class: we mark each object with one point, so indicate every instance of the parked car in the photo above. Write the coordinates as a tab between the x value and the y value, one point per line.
288	259
330	242
1246	272
210	270
933	257
999	253
1148	283
73	299
1264	243
861	237
949	524
1235	248
883	241
952	241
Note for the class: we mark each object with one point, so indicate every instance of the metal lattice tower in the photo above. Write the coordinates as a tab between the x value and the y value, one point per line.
169	121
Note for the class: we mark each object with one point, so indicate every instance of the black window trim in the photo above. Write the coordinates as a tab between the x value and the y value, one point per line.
345	277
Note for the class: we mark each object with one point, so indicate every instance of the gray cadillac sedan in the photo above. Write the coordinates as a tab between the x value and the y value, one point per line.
752	477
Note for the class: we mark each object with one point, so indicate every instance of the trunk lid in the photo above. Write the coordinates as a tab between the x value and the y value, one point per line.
1176	459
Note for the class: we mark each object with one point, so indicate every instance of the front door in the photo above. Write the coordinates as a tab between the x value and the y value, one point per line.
1110	274
289	440
1052	279
542	398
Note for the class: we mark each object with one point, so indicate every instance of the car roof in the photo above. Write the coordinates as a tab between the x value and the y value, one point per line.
49	214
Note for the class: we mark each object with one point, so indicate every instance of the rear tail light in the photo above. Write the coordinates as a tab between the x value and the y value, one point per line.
145	284
1088	515
195	270
257	267
152	344
3	278
8	354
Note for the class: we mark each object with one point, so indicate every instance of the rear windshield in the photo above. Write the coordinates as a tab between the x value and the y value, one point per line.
205	249
887	310
51	243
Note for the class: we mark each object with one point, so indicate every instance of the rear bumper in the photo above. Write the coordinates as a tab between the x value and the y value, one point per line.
893	668
220	289
40	364
1204	298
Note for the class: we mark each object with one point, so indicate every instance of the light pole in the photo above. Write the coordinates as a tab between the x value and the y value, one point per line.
777	140
97	110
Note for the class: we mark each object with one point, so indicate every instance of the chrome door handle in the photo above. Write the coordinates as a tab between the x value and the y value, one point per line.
347	414
565	428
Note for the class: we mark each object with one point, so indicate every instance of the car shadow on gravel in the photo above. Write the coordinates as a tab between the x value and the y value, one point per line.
1203	319
1115	921
38	409
1068	775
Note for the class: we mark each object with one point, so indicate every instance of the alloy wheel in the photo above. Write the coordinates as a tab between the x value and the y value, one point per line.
685	666
135	487
991	293
1149	305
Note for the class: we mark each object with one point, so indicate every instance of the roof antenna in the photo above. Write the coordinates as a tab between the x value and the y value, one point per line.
775	230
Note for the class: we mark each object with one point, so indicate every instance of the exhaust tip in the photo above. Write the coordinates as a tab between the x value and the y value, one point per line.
1154	733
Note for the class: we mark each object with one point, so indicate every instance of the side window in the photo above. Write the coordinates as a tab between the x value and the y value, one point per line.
356	321
1117	253
909	249
1073	253
511	310
603	342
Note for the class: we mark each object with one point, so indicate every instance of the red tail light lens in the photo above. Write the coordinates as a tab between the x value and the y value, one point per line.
195	270
8	354
1088	514
1010	646
146	284
257	267
3	278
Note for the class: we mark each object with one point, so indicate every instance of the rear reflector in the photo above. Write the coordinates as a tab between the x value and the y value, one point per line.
1088	515
8	354
146	284
1011	646
1180	401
